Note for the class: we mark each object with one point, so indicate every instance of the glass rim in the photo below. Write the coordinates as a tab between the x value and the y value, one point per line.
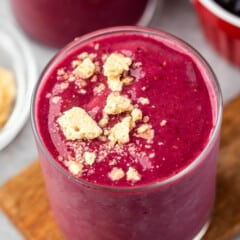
135	30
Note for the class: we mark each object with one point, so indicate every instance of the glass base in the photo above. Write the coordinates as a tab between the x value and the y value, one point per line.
202	232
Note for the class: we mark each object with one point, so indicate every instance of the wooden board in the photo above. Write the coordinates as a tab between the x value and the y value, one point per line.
24	200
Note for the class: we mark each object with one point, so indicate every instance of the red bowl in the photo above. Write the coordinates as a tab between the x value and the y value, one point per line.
221	28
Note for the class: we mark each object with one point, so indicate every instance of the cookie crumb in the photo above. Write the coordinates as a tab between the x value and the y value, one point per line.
75	167
104	121
48	95
137	64
98	89
117	104
93	78
85	69
64	85
112	162
163	123
146	119
60	72
127	80
90	158
133	175
77	124
151	155
145	131
115	65
119	133
83	55
55	99
82	91
143	101
96	46
7	95
116	174
136	115
102	138
115	84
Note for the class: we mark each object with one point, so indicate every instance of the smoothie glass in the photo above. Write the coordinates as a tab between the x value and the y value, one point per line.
55	23
178	207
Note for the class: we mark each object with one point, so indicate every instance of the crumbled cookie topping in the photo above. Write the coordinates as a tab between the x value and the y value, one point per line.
112	124
104	121
136	114
115	65
119	133
56	99
117	104
143	101
127	80
75	167
116	174
77	124
83	55
7	95
98	89
60	72
85	69
145	119
163	123
145	131
133	175
64	85
90	158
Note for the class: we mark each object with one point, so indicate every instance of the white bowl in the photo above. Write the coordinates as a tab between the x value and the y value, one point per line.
16	56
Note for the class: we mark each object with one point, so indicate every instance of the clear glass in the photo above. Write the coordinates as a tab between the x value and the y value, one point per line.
176	208
57	22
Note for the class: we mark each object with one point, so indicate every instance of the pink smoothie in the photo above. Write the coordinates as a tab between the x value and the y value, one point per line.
171	193
57	22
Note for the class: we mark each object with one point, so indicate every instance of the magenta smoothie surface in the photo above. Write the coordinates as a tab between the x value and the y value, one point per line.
127	124
165	85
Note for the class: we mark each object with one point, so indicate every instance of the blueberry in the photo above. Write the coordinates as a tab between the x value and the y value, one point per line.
225	2
232	6
236	8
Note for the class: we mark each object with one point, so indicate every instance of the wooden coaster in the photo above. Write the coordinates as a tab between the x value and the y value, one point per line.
24	200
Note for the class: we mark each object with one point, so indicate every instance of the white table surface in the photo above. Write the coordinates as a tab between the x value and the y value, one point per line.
175	16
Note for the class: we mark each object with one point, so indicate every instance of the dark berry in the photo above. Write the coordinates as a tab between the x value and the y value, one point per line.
232	6
236	8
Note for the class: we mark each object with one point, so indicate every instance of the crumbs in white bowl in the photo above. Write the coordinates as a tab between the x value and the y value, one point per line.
19	77
7	95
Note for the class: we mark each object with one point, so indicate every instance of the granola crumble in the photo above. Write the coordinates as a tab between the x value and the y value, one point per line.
119	133
116	174
117	104
77	124
7	95
121	115
115	65
85	69
133	175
